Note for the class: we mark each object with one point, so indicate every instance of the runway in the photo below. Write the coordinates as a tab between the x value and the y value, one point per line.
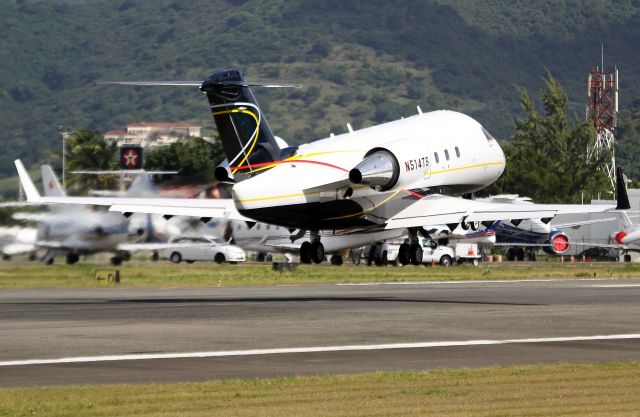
121	335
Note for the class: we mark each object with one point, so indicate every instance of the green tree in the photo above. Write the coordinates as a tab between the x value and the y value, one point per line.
87	150
194	158
547	158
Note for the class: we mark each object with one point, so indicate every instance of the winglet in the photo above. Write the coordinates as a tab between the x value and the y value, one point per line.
29	188
622	198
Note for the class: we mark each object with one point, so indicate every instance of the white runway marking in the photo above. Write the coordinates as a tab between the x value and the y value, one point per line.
617	286
470	281
346	348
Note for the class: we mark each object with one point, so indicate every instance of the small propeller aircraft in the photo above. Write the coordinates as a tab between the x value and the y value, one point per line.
405	174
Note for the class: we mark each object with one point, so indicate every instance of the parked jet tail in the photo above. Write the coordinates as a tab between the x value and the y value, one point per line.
622	198
248	142
50	183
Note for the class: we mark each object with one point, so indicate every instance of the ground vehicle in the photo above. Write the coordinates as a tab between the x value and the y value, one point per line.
206	248
443	255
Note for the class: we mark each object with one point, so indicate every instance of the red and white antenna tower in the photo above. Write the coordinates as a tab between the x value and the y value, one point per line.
602	108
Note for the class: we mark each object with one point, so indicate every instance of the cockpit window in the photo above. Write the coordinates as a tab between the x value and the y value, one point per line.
487	135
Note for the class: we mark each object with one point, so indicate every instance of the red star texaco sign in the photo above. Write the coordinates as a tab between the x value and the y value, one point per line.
131	158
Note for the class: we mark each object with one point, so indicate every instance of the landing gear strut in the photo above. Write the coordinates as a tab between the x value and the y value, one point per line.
312	251
411	251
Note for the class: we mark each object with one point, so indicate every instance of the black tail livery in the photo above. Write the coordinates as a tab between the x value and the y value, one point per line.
248	142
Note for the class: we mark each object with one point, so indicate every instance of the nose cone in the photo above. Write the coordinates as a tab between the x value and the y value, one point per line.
501	158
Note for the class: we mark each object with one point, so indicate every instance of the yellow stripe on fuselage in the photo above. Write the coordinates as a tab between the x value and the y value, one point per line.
443	171
296	157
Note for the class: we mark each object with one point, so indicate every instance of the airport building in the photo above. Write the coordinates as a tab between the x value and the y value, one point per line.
153	134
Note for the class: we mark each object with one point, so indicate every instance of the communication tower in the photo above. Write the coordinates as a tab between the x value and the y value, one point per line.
602	108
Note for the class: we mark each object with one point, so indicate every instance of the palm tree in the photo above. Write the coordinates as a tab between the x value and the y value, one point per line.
87	150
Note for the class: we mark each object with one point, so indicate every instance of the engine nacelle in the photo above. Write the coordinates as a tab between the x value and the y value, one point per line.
395	164
558	244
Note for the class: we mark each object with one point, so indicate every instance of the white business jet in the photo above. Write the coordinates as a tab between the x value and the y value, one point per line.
403	174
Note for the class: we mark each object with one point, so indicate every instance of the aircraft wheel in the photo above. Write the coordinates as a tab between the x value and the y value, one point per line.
305	253
49	261
317	252
260	257
381	259
404	256
6	257
175	257
446	261
116	260
416	253
32	256
520	254
336	260
219	258
511	256
72	258
155	256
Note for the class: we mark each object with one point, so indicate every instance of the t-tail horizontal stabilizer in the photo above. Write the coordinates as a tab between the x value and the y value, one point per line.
246	137
622	198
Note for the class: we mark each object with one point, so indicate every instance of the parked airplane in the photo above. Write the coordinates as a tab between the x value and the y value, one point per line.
266	238
81	230
398	175
17	240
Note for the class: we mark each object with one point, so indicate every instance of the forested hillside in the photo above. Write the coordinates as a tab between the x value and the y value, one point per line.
360	62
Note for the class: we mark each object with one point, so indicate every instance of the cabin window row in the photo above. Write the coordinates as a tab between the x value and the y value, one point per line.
446	155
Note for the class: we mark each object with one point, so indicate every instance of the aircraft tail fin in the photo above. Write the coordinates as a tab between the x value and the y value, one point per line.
50	183
247	139
27	184
622	198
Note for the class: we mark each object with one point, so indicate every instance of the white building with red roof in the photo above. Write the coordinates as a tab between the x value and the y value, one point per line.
150	134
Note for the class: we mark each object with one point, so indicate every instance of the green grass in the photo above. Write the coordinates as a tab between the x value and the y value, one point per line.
163	274
600	389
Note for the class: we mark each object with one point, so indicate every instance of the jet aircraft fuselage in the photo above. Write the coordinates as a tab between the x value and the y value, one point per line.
396	163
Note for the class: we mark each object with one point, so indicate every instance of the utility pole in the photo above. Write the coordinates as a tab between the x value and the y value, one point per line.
63	134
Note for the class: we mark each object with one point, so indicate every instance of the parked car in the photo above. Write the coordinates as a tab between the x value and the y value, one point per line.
206	248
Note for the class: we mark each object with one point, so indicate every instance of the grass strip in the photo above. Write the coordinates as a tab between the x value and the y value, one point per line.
610	389
161	274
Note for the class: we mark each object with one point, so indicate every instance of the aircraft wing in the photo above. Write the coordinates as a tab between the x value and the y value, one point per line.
441	209
203	208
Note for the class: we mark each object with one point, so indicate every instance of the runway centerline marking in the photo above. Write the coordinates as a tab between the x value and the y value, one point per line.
316	349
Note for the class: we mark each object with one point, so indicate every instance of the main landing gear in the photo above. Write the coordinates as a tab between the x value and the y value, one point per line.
312	252
410	252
